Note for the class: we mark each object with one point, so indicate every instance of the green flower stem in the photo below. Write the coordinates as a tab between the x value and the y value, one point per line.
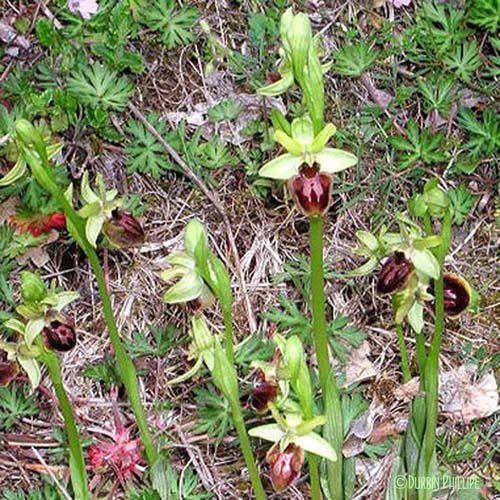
127	370
432	364
312	459
405	365
41	170
228	333
421	352
241	430
77	461
331	398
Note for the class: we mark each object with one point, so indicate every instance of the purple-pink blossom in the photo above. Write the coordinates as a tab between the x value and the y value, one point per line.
399	3
86	8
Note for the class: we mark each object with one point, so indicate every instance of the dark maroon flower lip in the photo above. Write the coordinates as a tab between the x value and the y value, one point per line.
8	370
285	466
263	394
456	294
394	274
123	229
59	336
311	191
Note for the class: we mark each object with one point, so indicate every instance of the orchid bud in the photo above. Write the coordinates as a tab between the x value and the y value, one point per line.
395	274
264	393
59	336
33	288
457	295
285	466
123	229
8	369
311	191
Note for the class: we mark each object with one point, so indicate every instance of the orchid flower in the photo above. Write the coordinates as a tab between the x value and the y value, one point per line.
308	165
292	436
191	285
303	148
42	308
21	353
201	349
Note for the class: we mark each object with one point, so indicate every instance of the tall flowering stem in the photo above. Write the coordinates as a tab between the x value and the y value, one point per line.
331	398
35	154
76	460
432	364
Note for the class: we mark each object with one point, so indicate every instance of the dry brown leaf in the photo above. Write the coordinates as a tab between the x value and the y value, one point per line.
358	366
7	209
38	255
387	429
464	399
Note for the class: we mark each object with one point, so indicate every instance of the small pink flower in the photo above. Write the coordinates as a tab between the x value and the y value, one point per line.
122	456
399	3
86	8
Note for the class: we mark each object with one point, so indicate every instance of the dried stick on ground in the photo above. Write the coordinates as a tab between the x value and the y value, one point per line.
214	199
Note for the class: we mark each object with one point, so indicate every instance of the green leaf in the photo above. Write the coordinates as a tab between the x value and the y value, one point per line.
464	60
354	60
174	25
145	153
98	87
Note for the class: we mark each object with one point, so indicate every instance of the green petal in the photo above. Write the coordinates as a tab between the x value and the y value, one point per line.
334	160
291	145
189	287
90	210
316	444
65	298
277	88
195	236
269	432
93	229
303	130
416	317
16	325
283	167
33	329
87	194
187	375
323	137
32	369
15	173
425	262
181	259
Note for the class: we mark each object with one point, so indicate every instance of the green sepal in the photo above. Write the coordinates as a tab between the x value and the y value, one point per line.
280	122
15	173
189	287
224	375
